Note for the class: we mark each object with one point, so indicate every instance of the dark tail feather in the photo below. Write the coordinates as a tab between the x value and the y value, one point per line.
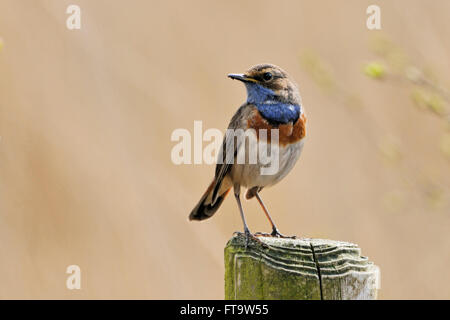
205	209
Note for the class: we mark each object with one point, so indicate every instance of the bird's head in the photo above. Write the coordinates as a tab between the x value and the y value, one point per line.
267	82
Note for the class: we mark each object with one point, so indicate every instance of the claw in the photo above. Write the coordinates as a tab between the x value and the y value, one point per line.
262	234
250	237
275	233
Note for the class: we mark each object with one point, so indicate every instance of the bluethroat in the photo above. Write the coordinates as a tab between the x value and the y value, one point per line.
273	103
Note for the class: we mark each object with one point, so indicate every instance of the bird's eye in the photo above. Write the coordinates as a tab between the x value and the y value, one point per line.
267	76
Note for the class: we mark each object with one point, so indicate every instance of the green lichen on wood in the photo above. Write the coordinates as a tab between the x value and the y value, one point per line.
284	270
300	269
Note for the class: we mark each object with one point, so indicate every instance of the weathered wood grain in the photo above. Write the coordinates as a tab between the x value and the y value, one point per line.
301	269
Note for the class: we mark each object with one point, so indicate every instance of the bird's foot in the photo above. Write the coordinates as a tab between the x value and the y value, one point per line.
275	234
262	234
249	237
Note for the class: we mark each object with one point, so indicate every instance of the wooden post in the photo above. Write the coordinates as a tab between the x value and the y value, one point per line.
298	269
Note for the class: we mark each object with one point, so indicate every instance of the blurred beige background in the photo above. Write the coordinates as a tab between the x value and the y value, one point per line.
86	117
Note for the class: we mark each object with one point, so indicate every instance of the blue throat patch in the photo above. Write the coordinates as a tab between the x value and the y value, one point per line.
264	99
258	94
279	112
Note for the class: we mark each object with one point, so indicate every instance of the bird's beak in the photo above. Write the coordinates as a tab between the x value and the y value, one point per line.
241	77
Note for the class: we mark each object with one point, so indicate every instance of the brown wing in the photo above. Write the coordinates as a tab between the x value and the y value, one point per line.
230	145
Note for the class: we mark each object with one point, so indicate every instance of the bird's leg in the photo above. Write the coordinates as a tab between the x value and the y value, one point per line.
275	232
248	235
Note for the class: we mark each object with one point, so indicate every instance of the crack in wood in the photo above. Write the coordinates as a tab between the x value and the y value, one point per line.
318	269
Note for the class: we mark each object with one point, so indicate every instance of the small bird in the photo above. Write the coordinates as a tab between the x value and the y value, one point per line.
273	102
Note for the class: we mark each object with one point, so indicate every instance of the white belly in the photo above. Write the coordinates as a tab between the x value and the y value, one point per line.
264	173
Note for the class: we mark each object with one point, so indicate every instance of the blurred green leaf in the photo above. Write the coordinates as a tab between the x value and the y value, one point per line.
393	55
425	99
375	70
419	98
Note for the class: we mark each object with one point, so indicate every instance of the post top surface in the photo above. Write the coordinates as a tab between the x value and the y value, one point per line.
239	240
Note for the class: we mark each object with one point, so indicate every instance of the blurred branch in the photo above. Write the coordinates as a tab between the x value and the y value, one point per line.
416	76
393	65
427	93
